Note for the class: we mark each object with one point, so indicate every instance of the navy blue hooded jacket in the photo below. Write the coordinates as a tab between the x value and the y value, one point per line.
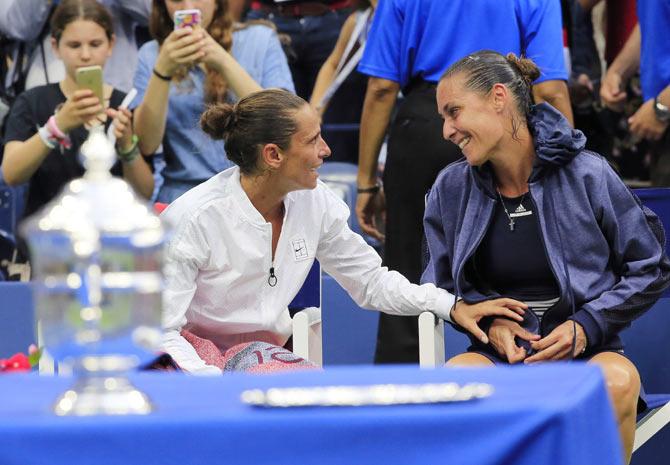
606	251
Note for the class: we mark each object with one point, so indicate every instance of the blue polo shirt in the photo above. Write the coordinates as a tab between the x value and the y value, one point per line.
422	38
654	19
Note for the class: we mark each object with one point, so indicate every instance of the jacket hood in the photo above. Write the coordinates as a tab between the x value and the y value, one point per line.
556	144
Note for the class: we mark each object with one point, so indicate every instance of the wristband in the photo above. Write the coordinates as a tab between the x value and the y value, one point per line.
56	134
46	137
53	128
160	76
368	190
132	153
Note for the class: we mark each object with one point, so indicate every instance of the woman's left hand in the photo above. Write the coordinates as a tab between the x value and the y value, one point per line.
215	56
123	127
557	345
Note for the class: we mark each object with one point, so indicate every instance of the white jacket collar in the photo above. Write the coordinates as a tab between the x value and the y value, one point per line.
246	207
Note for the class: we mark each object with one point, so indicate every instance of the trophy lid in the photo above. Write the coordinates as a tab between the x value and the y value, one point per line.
97	207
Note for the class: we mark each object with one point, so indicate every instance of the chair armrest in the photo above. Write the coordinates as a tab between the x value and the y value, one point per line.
307	337
651	424
431	341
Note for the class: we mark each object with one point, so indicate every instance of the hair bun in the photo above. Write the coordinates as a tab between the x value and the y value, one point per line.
528	70
218	120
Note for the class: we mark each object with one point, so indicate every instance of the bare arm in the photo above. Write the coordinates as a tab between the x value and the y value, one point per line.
138	174
588	5
23	158
628	60
151	115
380	99
181	47
555	93
136	171
237	77
612	89
223	62
327	72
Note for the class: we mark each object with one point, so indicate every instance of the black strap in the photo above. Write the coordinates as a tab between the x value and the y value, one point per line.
21	72
40	42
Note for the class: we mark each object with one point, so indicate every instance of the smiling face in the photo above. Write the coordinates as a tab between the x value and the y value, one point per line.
305	153
83	43
472	121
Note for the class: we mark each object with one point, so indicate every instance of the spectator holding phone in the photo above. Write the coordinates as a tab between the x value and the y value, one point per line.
48	124
27	21
185	69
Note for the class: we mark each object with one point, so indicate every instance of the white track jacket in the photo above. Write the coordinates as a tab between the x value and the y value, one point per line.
219	257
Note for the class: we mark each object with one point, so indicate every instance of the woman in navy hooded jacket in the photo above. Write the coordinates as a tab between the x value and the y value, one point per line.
530	214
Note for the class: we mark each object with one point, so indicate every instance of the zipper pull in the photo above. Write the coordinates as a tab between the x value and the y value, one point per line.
272	279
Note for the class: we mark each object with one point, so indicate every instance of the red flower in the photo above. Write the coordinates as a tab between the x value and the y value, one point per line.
17	362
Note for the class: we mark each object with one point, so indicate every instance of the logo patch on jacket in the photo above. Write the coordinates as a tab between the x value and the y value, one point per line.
299	249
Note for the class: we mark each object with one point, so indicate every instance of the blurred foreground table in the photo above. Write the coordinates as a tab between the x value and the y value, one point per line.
551	414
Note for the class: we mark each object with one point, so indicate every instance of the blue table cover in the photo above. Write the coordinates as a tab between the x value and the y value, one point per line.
546	414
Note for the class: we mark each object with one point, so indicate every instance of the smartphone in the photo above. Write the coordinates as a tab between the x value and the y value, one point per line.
90	77
186	18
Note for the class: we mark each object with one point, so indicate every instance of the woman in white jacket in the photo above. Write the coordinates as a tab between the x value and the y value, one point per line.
245	240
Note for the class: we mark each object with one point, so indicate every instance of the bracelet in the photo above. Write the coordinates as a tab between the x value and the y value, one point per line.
160	76
56	134
132	153
368	190
45	135
53	128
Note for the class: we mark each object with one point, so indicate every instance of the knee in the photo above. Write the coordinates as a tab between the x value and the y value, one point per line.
623	384
469	359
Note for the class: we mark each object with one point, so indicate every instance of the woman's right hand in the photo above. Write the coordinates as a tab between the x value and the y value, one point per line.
182	47
80	107
502	333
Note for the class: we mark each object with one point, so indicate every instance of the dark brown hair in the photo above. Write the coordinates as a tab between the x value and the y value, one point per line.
263	117
484	69
69	11
221	30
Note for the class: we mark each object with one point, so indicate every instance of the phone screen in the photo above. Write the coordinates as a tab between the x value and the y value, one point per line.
90	77
186	18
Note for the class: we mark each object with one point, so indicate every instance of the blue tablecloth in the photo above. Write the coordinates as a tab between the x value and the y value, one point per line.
552	414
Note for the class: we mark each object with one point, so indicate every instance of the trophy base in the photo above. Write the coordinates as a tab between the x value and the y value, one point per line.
113	395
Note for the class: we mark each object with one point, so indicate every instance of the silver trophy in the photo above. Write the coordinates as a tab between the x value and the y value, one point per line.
96	256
